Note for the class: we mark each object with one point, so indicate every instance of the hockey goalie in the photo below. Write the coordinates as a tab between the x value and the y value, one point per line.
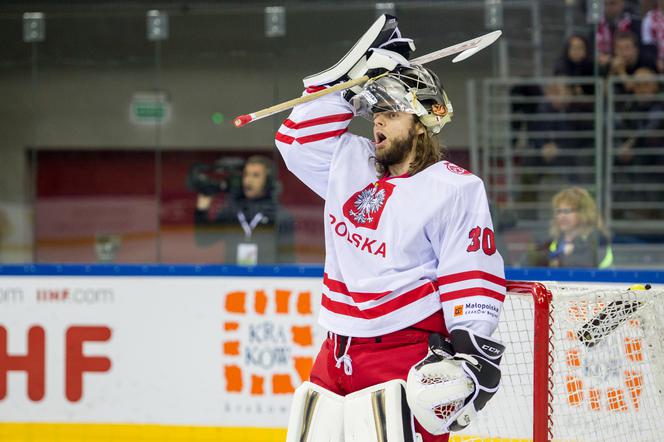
413	283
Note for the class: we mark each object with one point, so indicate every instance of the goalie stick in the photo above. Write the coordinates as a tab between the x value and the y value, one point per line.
465	49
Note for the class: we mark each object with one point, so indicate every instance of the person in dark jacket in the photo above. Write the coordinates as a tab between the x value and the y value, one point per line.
576	61
639	124
252	225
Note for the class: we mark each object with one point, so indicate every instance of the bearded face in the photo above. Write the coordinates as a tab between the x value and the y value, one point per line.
397	149
394	136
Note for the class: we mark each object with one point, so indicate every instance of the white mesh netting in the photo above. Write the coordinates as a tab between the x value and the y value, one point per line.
607	373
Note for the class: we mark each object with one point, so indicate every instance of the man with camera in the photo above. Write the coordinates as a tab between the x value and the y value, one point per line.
254	229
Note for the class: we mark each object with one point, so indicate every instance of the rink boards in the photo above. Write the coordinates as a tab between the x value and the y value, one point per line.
156	353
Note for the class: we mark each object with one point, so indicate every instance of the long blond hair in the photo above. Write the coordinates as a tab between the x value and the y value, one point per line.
580	200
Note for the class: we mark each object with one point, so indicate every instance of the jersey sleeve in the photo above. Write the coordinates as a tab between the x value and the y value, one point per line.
470	274
308	138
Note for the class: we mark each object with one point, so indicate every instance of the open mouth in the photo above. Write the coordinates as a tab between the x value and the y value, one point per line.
379	140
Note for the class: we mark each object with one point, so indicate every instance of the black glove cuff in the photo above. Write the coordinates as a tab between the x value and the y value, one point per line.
465	341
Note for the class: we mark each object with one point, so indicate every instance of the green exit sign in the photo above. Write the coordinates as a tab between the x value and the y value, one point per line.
150	108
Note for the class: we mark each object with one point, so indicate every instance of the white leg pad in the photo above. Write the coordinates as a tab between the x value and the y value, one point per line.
379	414
316	415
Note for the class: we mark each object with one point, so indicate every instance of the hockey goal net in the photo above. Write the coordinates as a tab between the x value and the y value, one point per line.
583	363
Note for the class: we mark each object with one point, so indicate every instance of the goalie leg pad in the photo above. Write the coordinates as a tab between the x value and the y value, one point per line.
379	413
316	415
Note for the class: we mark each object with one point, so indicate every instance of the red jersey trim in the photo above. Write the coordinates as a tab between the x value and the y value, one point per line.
284	138
340	287
320	136
309	138
391	306
473	274
312	89
318	121
476	291
390	177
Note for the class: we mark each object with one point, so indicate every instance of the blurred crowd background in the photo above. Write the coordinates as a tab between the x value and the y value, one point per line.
117	142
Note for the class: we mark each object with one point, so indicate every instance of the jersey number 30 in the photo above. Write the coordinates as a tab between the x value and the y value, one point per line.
487	240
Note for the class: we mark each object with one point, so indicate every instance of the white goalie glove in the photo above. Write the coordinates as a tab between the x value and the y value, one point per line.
380	49
447	388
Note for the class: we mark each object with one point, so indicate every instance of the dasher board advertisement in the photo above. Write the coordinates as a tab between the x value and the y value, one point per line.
217	351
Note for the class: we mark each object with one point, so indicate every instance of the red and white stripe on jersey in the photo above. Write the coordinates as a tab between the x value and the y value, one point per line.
317	125
315	129
306	127
338	299
471	283
371	314
472	297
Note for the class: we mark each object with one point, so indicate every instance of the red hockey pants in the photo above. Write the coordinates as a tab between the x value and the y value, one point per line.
372	361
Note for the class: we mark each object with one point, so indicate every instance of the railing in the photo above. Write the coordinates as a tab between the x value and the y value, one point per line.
634	178
540	135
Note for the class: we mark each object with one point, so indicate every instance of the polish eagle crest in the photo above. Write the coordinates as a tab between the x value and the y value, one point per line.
368	202
365	206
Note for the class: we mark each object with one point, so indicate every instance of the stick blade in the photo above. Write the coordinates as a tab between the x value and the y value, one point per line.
486	40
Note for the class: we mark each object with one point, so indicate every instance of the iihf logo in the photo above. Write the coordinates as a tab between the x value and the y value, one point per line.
364	207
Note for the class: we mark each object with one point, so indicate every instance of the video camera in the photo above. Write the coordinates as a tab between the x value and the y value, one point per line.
224	175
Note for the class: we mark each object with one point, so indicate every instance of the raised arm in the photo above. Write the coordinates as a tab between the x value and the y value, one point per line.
308	138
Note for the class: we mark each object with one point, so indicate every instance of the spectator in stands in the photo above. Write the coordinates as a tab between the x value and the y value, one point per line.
643	103
555	133
652	33
252	225
627	59
577	235
552	139
617	18
642	118
576	61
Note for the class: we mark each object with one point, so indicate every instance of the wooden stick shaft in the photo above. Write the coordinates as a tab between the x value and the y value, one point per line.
307	98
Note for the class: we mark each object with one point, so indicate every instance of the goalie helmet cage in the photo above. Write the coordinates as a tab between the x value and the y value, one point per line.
583	363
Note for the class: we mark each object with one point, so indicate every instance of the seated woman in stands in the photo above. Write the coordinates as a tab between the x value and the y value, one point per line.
577	235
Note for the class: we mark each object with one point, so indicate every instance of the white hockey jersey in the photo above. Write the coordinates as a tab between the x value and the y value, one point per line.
396	248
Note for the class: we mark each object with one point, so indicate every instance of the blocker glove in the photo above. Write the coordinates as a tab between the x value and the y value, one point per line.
447	388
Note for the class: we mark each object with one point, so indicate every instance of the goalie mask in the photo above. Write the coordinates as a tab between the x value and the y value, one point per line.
415	90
